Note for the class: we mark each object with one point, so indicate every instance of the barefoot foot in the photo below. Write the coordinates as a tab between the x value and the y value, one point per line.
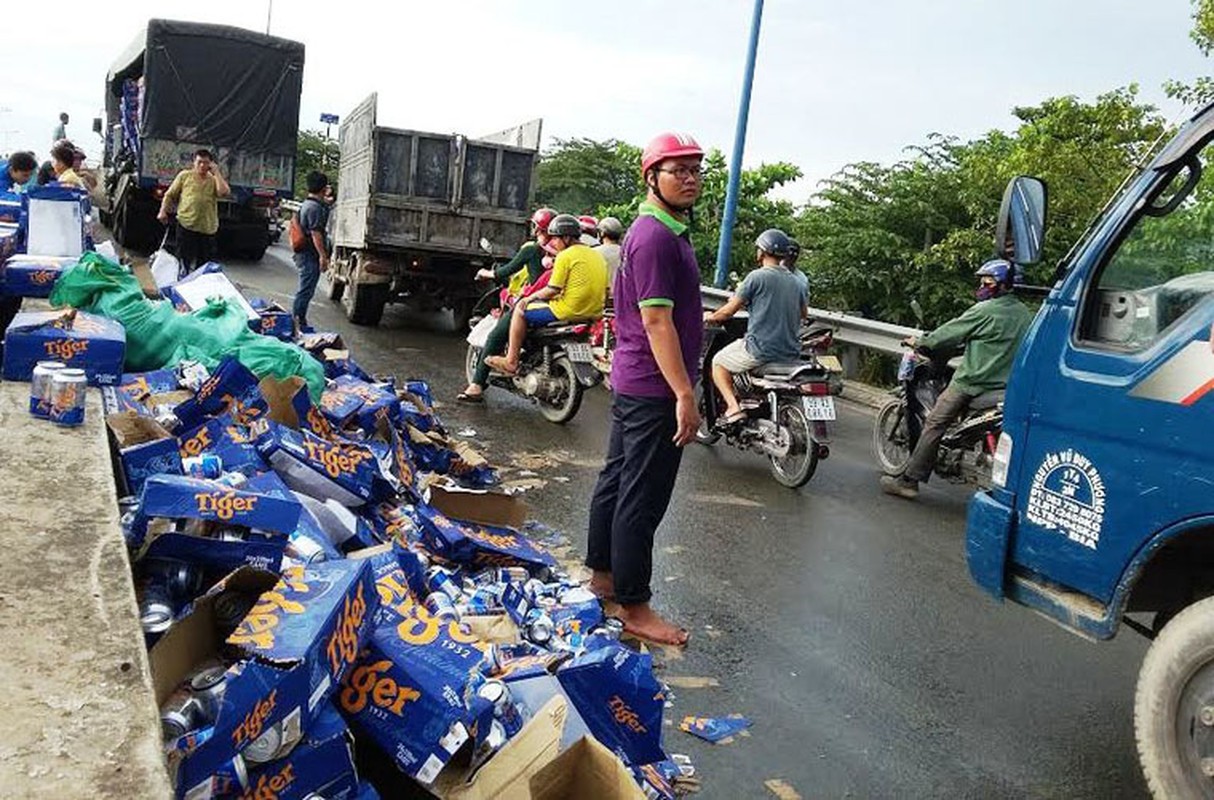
643	622
601	585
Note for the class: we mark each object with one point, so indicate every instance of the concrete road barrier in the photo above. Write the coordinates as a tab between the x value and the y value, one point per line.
78	718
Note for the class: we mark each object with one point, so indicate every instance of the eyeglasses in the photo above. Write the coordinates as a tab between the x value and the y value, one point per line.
685	173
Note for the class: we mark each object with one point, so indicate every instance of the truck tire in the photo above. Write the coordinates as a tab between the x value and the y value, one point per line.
337	288
1174	707
365	305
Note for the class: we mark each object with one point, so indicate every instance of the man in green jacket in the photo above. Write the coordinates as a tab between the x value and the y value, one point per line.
991	331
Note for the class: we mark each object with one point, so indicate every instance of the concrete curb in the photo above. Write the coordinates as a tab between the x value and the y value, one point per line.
865	395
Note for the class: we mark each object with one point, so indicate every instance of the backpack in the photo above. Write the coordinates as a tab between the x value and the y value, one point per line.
295	232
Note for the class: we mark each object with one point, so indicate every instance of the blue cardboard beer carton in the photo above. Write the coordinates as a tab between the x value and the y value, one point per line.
232	387
10	208
32	276
78	339
144	449
342	470
295	647
406	693
177	497
142	385
616	693
479	545
273	320
225	437
322	764
10	239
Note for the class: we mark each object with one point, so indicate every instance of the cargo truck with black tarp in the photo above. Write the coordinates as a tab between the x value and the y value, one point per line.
181	86
417	213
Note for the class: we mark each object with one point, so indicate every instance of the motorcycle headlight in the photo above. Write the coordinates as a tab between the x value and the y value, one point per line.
1003	457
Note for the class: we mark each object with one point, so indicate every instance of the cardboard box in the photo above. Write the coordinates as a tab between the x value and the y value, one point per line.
33	276
616	693
483	506
231	387
10	239
223	436
10	208
196	289
80	340
144	449
56	221
478	545
273	320
322	764
507	775
341	470
296	646
587	769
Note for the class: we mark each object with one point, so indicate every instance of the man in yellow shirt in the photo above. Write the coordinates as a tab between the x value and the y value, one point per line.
195	194
576	290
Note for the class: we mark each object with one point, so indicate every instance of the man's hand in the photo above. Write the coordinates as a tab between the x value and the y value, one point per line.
324	263
688	418
163	216
708	318
910	341
485	275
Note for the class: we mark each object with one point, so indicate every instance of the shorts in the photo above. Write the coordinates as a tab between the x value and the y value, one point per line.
538	314
735	358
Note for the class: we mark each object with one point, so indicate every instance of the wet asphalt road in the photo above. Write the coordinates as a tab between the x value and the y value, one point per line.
841	621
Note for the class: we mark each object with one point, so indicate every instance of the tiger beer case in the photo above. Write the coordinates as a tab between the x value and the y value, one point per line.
296	645
322	765
80	340
32	276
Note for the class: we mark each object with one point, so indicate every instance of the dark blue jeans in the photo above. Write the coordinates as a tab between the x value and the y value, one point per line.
632	493
308	264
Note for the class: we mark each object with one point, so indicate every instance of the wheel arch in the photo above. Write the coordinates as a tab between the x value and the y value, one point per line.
1175	566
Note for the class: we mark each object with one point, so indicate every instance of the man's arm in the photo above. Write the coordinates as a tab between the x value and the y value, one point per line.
170	199
547	293
658	321
507	270
221	185
318	241
954	332
732	306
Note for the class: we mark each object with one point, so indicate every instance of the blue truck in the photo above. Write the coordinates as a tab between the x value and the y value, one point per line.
1102	506
181	86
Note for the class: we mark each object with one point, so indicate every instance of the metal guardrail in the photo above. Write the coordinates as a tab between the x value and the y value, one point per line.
869	333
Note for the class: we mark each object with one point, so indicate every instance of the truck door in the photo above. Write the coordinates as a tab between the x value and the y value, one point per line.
1120	444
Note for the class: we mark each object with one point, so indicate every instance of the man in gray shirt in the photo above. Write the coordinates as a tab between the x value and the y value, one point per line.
313	257
776	302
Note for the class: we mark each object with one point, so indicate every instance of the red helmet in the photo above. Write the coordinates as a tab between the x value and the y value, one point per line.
542	217
668	145
589	224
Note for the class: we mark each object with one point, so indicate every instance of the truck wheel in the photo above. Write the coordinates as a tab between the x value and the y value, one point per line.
1174	706
365	305
337	287
461	314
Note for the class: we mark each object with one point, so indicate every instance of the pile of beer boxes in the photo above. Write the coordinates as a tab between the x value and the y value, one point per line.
340	601
42	232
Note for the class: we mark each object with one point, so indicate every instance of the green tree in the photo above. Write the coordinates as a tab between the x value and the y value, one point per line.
1201	91
580	175
314	152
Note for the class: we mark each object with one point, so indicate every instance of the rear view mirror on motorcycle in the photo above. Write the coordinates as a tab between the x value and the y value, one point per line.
1020	233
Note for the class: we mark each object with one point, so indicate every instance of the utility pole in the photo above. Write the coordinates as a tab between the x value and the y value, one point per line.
739	145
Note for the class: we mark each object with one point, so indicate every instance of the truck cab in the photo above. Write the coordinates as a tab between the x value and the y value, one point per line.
1102	506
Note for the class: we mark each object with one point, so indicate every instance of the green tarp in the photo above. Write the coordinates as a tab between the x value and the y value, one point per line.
159	336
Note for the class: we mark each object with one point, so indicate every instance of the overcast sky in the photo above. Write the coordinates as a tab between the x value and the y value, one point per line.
835	83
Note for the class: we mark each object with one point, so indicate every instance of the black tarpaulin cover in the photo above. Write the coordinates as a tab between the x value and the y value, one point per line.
216	84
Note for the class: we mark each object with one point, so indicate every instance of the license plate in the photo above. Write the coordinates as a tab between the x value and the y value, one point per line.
579	352
819	407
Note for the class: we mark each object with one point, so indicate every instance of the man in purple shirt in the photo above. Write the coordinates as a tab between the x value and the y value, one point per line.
659	335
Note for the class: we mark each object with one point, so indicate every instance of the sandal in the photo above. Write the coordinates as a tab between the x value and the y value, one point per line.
731	419
470	399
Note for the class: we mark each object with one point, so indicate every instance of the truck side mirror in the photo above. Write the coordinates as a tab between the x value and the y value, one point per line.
1020	233
97	125
486	245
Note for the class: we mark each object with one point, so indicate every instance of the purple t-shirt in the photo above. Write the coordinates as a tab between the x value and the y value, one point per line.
657	268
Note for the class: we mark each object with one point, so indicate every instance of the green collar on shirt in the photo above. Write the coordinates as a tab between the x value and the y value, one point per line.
677	227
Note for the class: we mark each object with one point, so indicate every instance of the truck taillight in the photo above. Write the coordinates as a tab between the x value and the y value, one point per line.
1003	457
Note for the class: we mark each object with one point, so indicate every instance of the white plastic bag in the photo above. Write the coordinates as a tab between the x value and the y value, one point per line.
166	269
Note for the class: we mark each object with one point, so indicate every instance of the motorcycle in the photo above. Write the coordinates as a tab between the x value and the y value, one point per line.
968	447
557	363
787	406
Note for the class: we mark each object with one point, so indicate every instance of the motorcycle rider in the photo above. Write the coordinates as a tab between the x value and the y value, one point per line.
590	230
991	331
523	269
777	305
611	231
794	252
575	291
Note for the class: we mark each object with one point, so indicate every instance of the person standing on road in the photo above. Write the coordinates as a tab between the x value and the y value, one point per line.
313	258
59	133
776	303
611	231
991	331
195	195
17	171
659	331
524	269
